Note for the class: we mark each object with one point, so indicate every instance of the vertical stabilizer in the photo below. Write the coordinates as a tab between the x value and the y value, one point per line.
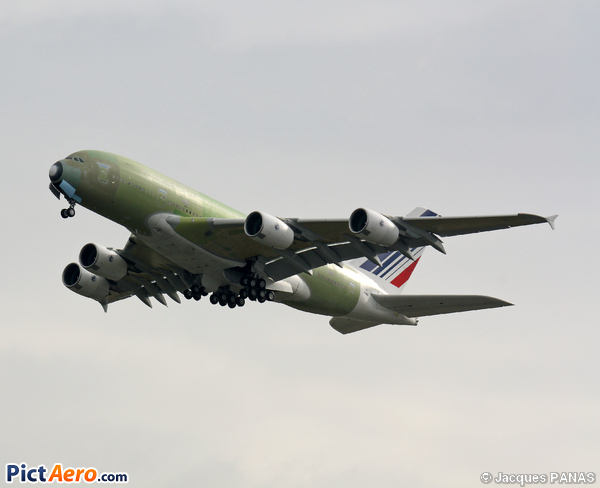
395	269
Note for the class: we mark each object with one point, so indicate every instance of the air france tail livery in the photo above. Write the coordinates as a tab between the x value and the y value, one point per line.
183	242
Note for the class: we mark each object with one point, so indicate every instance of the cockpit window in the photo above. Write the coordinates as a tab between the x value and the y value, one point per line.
79	160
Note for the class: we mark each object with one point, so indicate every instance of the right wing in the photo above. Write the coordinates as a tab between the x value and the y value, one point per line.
107	275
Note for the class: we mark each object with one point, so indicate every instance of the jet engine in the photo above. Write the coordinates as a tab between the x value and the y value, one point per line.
82	282
268	230
103	262
373	227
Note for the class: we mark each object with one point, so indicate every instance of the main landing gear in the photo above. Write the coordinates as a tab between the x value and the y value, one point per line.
226	297
254	290
196	292
65	213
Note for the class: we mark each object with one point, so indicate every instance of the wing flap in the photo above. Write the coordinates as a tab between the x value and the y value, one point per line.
314	258
423	305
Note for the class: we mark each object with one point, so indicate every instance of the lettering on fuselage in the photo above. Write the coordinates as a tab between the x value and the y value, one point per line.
331	280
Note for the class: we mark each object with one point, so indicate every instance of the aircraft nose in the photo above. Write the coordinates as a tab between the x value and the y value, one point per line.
56	171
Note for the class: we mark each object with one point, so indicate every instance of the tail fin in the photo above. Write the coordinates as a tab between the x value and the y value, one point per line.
394	272
395	269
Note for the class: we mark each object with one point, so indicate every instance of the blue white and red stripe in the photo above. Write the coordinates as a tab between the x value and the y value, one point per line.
395	267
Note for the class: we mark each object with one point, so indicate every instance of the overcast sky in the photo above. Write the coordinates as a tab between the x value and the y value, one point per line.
308	109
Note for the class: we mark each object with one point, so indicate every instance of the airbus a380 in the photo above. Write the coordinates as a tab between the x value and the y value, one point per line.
183	242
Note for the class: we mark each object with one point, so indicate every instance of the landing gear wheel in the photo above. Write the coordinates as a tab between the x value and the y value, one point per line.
270	296
231	305
262	284
244	293
187	294
71	212
240	301
214	299
261	300
64	214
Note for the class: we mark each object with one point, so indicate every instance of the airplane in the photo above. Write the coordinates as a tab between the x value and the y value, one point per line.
183	242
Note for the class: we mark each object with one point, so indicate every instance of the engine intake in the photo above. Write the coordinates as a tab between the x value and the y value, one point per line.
373	227
82	282
103	262
268	230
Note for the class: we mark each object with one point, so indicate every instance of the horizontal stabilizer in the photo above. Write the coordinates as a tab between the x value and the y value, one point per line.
423	305
346	326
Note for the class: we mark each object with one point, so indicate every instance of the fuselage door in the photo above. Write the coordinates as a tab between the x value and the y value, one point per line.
103	172
162	198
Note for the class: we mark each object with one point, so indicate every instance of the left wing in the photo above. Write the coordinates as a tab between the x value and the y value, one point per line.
281	248
453	226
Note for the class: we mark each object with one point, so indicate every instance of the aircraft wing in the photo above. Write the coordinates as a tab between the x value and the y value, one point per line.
180	247
136	270
317	242
177	248
452	226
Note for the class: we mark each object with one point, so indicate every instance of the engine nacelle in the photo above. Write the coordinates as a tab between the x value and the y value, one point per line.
268	230
373	227
103	262
81	281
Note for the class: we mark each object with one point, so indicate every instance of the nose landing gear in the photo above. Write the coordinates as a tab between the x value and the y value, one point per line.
65	213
